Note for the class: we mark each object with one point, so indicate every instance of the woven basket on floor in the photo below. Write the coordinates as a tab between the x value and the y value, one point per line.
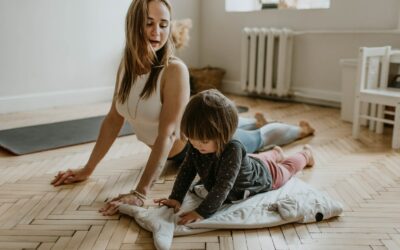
205	78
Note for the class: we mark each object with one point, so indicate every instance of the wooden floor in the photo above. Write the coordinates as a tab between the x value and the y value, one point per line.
364	176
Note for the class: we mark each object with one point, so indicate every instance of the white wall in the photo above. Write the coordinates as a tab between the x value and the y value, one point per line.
316	54
398	25
67	52
189	9
316	68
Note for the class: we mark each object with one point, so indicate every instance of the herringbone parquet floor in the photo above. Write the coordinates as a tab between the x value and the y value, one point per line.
364	175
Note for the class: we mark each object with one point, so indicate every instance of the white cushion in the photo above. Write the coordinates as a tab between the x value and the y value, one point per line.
296	201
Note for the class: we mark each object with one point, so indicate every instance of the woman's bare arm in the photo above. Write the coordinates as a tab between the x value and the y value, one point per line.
175	92
175	95
109	130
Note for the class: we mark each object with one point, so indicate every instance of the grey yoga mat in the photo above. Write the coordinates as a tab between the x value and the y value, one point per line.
38	138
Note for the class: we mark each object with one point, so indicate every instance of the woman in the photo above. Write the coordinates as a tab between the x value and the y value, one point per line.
152	90
156	88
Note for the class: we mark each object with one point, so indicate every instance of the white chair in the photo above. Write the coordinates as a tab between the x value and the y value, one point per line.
372	82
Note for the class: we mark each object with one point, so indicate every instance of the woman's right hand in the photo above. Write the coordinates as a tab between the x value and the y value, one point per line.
70	176
176	205
112	206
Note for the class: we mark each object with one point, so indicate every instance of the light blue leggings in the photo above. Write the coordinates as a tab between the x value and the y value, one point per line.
255	139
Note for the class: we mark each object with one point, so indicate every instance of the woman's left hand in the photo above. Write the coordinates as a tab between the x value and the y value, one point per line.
111	207
189	217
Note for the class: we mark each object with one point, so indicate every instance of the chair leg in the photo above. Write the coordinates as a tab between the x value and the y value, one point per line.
356	118
372	113
379	125
396	128
364	106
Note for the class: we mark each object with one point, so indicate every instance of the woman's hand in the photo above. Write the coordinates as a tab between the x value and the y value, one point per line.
176	205
70	176
111	206
189	217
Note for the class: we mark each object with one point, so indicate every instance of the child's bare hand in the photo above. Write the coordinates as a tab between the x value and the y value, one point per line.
176	205
189	217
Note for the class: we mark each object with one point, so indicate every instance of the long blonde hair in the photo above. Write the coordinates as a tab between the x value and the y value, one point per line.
139	58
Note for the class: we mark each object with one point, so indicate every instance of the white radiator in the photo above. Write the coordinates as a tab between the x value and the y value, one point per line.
266	61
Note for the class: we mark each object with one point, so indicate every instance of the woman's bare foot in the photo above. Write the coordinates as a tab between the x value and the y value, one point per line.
306	129
307	149
280	153
261	120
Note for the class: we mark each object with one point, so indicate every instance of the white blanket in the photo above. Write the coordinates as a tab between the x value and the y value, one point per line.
296	201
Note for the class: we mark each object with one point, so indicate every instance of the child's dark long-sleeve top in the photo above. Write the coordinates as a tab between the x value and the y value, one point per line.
226	178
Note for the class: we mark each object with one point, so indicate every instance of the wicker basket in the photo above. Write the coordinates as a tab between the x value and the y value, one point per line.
205	78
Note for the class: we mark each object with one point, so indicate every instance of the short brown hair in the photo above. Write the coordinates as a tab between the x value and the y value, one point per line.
210	115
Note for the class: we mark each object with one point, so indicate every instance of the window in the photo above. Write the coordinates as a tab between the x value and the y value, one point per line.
253	5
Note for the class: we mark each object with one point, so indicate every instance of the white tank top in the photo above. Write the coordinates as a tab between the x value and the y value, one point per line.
143	114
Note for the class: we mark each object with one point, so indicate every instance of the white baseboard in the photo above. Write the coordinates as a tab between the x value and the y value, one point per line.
307	95
331	96
102	94
35	101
